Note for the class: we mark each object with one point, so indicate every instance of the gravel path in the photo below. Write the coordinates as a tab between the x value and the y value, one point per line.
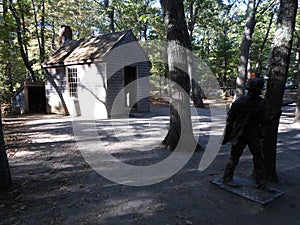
54	184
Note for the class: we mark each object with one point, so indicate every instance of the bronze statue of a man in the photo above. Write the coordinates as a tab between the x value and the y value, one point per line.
244	126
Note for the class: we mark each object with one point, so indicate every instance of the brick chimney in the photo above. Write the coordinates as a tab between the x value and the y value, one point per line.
65	35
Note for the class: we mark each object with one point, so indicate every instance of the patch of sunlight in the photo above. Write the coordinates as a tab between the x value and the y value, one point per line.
49	120
47	138
60	165
23	153
296	125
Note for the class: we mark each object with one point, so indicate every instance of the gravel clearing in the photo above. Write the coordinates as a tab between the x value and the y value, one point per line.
53	184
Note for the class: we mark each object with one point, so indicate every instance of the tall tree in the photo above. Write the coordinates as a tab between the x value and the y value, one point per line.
7	42
277	75
18	14
180	114
193	7
111	14
109	9
245	49
5	177
222	41
137	15
258	66
297	116
40	33
193	10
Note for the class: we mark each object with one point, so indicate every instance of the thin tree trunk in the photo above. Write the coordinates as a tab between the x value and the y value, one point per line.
277	74
111	14
245	49
225	73
196	88
5	177
43	56
180	114
208	45
193	16
22	48
258	67
36	29
297	116
53	36
196	94
7	42
40	35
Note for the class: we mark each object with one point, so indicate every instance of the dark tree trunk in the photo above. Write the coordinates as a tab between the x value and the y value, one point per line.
258	67
245	49
297	116
22	47
197	95
40	35
193	9
180	130
43	56
111	15
7	42
53	36
196	88
277	74
5	177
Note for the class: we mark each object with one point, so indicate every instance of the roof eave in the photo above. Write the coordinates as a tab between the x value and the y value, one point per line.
80	62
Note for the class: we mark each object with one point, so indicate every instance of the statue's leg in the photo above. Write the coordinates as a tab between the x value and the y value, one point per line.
255	148
235	154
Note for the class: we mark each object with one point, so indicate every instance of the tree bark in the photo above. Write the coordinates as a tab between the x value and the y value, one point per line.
111	14
23	50
245	49
297	116
7	42
277	74
40	36
258	67
180	113
5	177
193	11
196	94
196	88
43	55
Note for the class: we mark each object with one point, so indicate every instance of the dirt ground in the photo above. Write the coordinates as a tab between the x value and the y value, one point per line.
53	184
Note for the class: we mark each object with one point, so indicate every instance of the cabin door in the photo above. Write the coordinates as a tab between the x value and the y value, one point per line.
130	75
36	99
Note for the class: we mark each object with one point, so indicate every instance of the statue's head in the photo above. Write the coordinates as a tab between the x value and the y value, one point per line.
255	85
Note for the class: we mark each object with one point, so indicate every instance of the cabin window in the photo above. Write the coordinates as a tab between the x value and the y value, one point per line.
73	82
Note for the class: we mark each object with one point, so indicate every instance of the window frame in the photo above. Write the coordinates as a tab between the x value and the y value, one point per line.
72	81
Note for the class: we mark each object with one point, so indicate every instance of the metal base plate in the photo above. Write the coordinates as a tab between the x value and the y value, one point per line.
247	189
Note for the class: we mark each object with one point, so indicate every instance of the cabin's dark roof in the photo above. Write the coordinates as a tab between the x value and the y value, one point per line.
85	49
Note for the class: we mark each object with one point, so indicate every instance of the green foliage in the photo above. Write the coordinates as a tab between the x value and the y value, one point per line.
216	34
140	16
217	39
11	61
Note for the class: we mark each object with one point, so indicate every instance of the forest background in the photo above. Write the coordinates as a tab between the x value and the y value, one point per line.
234	38
29	34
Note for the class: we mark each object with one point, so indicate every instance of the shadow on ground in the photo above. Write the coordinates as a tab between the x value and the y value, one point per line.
54	185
